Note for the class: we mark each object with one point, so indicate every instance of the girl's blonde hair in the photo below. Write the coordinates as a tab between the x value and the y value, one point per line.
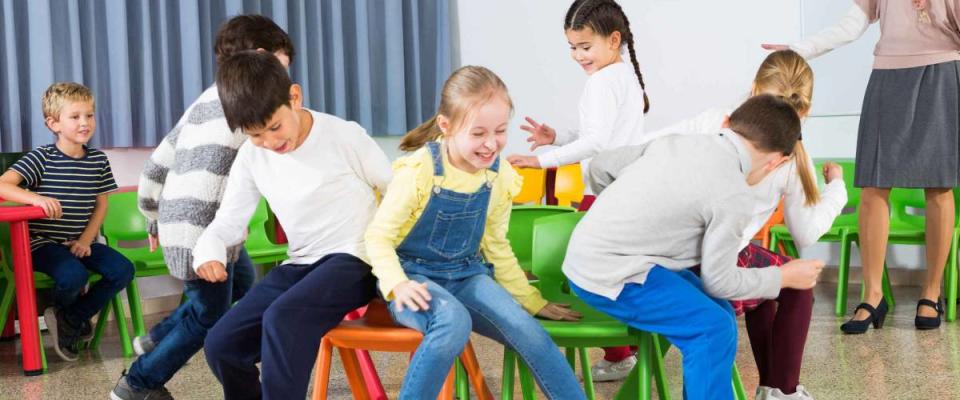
786	74
463	93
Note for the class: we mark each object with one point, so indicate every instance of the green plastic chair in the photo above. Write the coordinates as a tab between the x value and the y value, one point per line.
44	281
950	275
520	232
550	237
123	225
845	230
259	246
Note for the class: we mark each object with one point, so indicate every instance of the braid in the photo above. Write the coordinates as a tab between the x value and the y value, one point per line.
628	37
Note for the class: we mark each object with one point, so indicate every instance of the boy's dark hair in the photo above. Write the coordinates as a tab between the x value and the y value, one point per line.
605	17
251	32
252	86
769	122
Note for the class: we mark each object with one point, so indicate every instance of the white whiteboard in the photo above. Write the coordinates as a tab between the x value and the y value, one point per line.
842	74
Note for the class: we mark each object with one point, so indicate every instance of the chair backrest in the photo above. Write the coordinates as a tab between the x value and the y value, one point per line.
568	186
902	200
775	219
123	221
258	225
550	238
520	232
534	183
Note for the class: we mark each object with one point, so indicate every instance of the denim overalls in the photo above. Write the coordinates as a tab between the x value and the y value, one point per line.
442	251
444	243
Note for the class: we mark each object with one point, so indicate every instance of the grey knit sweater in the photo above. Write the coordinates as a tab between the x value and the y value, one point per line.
183	181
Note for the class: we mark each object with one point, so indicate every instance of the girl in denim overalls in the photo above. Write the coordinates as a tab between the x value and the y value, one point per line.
439	249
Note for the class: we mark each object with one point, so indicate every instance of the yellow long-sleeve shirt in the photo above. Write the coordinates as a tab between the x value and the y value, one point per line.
407	197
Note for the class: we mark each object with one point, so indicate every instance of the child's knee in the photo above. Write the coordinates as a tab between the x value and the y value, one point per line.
72	278
450	326
120	273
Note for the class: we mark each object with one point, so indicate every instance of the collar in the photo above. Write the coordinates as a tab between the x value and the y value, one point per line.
742	153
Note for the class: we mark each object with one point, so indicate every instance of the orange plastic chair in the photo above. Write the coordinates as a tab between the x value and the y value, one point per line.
376	331
534	183
764	234
569	187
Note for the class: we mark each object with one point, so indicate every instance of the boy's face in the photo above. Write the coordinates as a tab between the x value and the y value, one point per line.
283	131
76	122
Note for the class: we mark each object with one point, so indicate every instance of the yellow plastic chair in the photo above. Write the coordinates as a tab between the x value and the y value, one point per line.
569	187
534	181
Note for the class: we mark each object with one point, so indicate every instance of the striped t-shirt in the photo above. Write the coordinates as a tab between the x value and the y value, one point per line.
74	182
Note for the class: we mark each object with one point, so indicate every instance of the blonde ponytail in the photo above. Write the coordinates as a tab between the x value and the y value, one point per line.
419	136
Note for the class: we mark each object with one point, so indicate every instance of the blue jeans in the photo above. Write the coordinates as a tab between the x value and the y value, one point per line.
478	303
179	336
674	305
70	276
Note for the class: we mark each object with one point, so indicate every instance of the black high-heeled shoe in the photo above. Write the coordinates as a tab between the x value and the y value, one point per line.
925	323
877	316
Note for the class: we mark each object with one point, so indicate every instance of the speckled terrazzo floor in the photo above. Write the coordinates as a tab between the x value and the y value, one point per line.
896	362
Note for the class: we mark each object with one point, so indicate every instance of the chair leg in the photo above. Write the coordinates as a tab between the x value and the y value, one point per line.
475	374
527	385
587	374
125	342
951	281
321	377
98	331
136	310
637	384
351	367
446	393
659	371
887	289
571	354
461	383
6	302
738	391
843	276
370	376
509	369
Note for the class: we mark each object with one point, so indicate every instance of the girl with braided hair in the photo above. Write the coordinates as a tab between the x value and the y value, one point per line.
613	102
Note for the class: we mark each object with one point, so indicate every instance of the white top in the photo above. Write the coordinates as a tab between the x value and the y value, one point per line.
806	224
611	115
322	193
682	200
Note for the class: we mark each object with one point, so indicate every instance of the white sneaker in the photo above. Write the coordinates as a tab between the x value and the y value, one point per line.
763	393
605	371
800	394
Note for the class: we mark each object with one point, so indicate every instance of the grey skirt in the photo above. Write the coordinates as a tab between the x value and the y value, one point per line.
910	128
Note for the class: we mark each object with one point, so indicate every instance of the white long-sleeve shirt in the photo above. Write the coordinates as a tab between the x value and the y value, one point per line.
805	223
322	193
611	115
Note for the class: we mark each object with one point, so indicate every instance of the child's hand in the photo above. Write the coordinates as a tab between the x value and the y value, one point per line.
154	242
831	171
775	47
800	274
540	134
78	248
524	161
49	205
212	271
559	312
412	295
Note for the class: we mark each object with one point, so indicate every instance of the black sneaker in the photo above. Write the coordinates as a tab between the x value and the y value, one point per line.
123	391
63	334
86	330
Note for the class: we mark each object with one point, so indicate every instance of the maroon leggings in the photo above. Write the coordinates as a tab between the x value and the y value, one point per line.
777	328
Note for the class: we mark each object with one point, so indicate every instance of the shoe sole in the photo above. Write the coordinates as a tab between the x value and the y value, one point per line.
50	319
612	377
113	396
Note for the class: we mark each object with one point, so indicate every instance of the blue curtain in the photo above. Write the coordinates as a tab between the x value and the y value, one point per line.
380	63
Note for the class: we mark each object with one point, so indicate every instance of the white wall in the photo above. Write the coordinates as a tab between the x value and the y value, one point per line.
694	54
